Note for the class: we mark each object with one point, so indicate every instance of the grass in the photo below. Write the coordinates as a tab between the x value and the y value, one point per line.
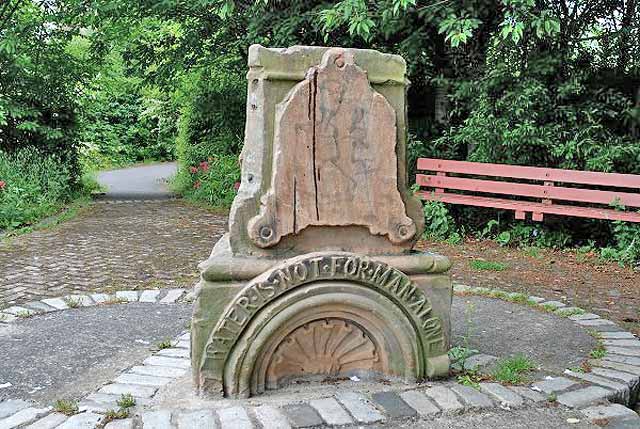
111	415
513	370
66	407
112	300
482	265
165	344
24	314
71	301
599	351
126	401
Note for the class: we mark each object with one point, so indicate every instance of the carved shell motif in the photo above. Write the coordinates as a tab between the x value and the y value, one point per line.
330	347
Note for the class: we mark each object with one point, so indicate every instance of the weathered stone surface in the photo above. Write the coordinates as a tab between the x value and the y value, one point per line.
624	351
145	380
472	397
302	416
149	295
127	295
335	162
618	366
617	335
172	296
610	412
393	405
528	393
360	408
82	421
200	419
583	397
444	398
122	424
629	360
100	298
56	303
12	406
554	385
331	411
39	306
502	394
157	420
174	352
270	417
22	417
136	390
159	371
50	421
167	361
419	402
234	418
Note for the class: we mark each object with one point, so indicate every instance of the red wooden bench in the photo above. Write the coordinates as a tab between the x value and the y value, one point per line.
552	196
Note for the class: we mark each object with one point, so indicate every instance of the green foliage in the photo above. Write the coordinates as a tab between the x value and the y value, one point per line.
599	351
513	370
439	224
126	401
66	407
33	185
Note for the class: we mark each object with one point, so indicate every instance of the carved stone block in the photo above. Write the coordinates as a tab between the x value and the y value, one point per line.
316	277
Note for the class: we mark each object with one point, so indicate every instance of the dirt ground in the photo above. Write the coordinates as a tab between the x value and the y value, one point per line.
603	288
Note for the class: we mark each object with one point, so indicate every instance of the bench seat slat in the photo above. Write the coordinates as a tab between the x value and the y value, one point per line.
531	173
527	190
525	206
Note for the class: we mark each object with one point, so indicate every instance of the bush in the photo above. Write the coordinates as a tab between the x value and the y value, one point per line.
210	133
32	185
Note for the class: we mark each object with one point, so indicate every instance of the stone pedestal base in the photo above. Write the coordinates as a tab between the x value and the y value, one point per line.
259	324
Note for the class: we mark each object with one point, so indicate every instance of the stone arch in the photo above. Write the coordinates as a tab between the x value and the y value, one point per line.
378	306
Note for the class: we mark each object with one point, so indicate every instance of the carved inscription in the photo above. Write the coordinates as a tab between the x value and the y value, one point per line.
377	275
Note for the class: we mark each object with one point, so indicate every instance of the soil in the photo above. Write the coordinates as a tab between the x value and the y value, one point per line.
604	288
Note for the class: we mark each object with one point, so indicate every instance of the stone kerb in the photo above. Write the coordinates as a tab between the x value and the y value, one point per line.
389	308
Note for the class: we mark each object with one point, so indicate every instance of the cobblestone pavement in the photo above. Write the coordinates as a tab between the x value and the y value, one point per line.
110	246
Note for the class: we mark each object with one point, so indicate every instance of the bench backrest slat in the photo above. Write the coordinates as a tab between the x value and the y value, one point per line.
527	190
531	173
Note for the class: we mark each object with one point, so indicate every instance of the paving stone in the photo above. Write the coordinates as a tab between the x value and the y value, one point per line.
100	298
568	310
51	421
174	352
461	288
630	379
594	322
553	385
122	424
183	345
617	336
12	406
631	369
360	408
444	398
56	303
393	405
629	360
553	304
234	418
472	397
622	343
302	415
172	296
610	412
156	420
475	362
39	306
167	361
331	411
83	300
145	380
583	397
270	417
17	310
149	295
502	394
199	419
620	388
7	318
624	351
158	371
529	394
585	316
22	417
127	295
186	336
136	390
419	402
536	299
86	420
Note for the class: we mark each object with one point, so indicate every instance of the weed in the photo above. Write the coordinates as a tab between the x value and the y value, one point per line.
532	252
66	407
126	401
552	397
24	314
164	344
599	351
577	369
595	334
570	312
112	300
111	415
481	265
71	301
512	370
470	378
518	298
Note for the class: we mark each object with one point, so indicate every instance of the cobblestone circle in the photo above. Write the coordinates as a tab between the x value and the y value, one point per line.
110	246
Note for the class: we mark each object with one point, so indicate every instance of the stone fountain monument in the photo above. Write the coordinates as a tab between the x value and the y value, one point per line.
316	277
